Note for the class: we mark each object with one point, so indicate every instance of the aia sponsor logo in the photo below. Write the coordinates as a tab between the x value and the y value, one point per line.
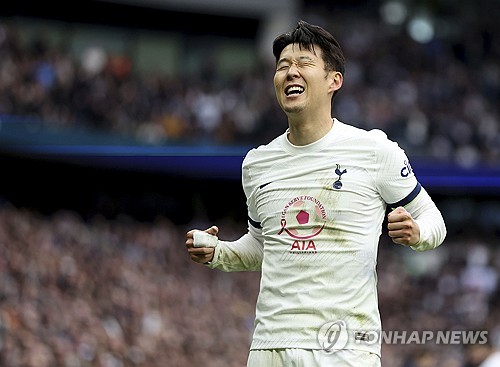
303	218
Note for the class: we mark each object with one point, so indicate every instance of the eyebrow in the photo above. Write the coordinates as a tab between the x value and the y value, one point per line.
301	58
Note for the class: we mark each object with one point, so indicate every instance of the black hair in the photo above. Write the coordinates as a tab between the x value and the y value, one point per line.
308	36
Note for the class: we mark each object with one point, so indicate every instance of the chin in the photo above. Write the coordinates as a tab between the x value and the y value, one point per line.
293	109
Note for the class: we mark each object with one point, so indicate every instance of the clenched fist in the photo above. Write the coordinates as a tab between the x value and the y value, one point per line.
402	227
200	254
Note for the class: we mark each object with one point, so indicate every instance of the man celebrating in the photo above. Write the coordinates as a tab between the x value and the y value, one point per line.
317	196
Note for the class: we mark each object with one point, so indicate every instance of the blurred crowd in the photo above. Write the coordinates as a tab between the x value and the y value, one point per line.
438	99
114	294
100	292
124	293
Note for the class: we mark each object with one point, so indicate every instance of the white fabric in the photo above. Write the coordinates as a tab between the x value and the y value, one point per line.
320	208
204	239
492	361
311	358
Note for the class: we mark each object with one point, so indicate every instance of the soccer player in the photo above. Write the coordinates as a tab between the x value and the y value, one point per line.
317	196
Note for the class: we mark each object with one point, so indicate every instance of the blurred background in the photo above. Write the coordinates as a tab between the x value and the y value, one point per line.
124	123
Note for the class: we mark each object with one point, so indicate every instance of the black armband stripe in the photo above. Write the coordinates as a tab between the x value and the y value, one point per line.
412	195
254	223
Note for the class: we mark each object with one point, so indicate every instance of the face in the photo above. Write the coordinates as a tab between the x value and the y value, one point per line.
301	81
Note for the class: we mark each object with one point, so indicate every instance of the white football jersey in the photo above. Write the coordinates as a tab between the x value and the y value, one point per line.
318	211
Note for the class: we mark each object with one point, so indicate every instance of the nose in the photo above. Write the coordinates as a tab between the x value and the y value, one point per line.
293	71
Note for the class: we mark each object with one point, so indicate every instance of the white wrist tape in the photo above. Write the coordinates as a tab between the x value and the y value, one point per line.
203	239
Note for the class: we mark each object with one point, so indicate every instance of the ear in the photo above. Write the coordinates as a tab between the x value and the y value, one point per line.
335	79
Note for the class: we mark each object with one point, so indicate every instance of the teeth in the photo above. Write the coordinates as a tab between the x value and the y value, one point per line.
294	89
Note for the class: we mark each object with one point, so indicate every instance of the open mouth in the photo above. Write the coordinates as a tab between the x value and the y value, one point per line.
294	89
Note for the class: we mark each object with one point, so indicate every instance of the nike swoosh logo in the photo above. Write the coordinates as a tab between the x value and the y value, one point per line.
264	185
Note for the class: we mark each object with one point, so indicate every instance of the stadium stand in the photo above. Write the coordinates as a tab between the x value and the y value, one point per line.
93	271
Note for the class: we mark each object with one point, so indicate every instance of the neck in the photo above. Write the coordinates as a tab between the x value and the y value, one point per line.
303	132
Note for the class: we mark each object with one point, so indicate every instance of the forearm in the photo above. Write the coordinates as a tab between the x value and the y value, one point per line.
430	221
244	254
